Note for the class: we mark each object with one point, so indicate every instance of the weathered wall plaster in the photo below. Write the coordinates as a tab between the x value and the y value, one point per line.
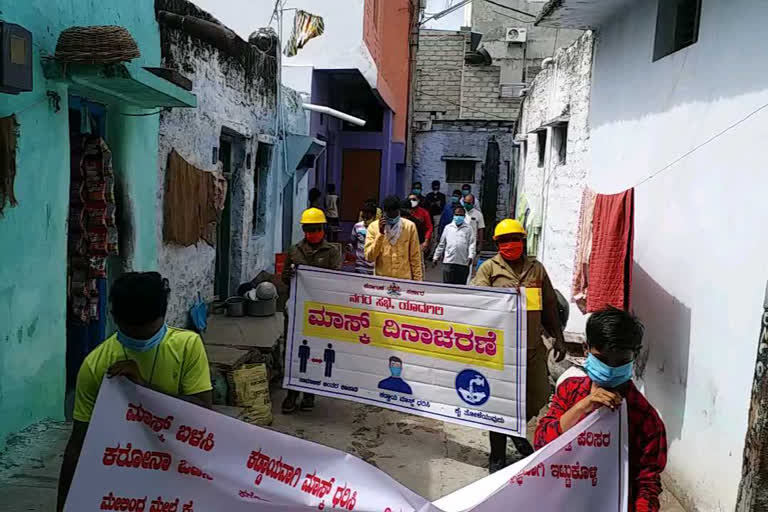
229	98
559	93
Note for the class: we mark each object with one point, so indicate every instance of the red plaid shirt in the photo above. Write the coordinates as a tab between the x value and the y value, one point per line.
647	439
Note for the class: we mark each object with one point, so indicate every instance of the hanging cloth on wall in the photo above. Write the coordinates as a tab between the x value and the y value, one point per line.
305	27
583	251
9	131
610	264
192	203
93	232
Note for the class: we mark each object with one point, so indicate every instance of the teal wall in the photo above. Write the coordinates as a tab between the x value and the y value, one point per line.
33	246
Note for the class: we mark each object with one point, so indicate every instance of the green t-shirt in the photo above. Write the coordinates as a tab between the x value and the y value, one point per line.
181	368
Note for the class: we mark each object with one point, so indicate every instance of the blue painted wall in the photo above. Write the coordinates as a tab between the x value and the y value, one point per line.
33	235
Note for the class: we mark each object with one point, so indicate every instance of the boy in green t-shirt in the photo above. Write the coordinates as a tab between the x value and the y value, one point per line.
146	351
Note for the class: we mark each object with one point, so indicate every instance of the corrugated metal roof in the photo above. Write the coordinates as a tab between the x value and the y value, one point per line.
579	14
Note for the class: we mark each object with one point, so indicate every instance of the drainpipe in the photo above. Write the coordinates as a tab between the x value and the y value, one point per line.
322	109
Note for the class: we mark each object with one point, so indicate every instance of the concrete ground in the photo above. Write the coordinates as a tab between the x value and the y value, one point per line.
431	457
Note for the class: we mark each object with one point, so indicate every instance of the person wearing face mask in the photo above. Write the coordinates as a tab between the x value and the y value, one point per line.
145	350
359	232
312	251
417	191
423	215
435	204
614	338
475	218
392	244
511	268
456	249
395	382
466	189
447	216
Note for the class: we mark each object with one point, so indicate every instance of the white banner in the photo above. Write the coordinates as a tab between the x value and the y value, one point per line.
148	452
145	451
584	469
443	351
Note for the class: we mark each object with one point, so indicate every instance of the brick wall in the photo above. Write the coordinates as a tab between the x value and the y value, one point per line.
439	63
480	95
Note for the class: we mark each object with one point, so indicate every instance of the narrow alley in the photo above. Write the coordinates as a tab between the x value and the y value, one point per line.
470	243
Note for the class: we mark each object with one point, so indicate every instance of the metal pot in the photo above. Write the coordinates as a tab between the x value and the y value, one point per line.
235	306
261	307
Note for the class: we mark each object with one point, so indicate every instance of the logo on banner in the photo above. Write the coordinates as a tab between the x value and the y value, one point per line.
394	290
473	387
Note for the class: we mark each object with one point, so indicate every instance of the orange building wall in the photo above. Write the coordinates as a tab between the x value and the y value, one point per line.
386	34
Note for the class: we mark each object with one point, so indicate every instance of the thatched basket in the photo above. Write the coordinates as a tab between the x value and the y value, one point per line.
96	45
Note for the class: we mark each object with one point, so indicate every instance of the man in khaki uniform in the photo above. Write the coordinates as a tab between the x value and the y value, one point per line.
511	268
312	251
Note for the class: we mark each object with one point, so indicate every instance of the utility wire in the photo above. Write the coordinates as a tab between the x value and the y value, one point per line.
708	141
510	8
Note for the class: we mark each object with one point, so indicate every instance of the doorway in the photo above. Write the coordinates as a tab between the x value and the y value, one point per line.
360	179
91	236
224	227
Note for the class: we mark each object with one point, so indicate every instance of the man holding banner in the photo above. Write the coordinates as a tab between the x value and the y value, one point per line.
313	251
144	350
511	268
614	338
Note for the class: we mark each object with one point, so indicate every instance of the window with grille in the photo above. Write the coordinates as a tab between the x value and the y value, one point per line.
460	171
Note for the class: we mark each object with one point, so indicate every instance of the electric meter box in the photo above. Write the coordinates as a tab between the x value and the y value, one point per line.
15	58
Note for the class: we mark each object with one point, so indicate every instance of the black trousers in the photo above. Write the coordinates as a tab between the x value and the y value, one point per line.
499	445
455	274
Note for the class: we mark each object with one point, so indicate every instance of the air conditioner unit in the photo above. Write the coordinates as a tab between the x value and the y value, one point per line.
517	35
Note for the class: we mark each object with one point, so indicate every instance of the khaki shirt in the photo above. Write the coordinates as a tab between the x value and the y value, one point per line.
402	260
542	314
325	255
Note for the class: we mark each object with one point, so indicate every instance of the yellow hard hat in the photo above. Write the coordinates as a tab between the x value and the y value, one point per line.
313	216
508	227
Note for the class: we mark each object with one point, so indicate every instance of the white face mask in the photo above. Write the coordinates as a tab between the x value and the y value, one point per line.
414	203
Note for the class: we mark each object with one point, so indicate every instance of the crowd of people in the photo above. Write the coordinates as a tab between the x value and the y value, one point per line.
395	239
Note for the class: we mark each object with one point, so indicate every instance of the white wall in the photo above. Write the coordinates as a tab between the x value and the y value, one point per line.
560	92
340	47
699	242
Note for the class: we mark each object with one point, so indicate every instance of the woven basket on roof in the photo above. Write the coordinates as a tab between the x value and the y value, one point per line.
96	45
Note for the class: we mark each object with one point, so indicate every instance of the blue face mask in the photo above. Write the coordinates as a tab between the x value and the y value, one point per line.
395	371
393	220
416	191
362	231
458	219
455	199
465	193
607	376
467	206
142	345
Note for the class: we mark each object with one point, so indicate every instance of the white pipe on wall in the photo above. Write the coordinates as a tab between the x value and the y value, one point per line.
334	113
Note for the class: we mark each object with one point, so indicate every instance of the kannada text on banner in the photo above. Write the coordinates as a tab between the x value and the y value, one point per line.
148	452
145	451
448	352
